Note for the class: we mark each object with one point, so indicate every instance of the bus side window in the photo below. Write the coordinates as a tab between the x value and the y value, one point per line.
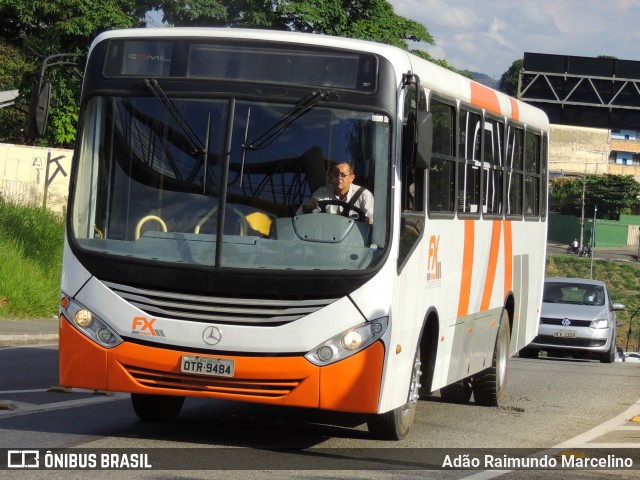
412	184
442	172
532	175
492	166
514	169
469	156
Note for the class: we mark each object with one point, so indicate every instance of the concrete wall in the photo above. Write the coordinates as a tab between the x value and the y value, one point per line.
25	172
578	150
582	150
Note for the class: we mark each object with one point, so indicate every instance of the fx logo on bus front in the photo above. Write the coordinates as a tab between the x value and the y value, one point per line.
144	326
23	459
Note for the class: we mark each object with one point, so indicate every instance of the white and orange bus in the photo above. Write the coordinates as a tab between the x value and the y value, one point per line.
190	271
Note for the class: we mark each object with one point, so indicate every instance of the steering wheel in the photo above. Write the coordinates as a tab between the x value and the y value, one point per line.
346	208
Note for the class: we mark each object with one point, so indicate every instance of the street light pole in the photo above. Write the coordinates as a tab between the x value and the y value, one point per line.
593	237
584	188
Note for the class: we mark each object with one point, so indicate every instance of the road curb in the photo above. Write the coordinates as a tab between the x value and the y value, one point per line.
28	339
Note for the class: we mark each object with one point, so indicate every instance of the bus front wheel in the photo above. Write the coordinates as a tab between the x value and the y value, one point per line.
156	408
490	385
395	424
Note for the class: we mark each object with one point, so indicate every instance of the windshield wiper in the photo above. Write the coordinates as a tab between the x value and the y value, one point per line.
194	141
303	106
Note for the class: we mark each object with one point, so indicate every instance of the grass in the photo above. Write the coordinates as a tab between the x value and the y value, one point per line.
31	242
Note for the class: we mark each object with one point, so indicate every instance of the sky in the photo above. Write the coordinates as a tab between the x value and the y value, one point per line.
487	36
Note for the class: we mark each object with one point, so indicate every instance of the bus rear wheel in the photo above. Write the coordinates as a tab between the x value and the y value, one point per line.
395	424
156	408
490	385
458	392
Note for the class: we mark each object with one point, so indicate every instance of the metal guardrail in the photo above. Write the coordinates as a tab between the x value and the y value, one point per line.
8	97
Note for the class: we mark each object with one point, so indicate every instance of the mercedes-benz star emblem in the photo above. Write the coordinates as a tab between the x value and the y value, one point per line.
565	322
212	335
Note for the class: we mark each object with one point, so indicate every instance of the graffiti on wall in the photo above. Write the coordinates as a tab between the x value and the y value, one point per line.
33	175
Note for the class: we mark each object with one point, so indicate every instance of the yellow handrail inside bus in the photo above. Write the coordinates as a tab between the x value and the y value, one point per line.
145	220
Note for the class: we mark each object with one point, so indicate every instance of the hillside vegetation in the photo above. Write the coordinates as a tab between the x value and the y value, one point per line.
31	241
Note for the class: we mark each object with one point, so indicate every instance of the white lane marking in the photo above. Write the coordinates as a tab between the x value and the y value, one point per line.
30	408
580	441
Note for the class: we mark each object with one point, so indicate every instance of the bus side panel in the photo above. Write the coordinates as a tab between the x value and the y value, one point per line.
82	363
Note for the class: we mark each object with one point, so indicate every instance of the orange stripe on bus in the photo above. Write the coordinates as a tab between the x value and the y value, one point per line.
508	258
484	97
515	110
491	267
467	269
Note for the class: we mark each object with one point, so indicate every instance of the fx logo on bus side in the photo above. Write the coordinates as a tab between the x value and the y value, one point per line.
434	267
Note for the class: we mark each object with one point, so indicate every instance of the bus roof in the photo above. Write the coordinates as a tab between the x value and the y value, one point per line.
435	78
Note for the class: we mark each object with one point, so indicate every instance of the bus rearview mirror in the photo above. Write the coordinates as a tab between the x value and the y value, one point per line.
39	110
425	139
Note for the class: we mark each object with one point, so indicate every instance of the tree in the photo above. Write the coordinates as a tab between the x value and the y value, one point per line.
612	194
509	79
12	68
40	29
365	19
36	30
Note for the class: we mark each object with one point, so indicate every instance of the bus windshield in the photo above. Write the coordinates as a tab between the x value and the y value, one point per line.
219	182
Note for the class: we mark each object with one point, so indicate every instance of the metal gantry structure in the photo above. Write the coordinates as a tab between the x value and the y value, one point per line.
582	91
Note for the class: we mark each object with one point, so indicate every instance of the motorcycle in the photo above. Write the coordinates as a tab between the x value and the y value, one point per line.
586	251
573	249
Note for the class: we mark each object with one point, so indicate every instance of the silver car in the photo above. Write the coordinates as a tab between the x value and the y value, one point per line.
578	317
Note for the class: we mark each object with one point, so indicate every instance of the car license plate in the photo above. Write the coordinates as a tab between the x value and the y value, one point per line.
564	333
218	367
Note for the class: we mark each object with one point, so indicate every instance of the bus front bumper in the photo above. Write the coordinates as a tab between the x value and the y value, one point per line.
350	385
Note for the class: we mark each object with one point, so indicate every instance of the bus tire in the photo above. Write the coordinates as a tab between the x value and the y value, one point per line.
458	392
395	424
156	408
490	385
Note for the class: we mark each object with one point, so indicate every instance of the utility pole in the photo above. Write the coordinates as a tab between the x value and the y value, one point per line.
593	238
584	188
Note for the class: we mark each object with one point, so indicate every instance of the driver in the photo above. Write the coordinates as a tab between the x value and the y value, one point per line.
342	188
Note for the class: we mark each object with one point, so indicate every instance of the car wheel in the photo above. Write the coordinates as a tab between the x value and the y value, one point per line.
528	353
610	355
156	408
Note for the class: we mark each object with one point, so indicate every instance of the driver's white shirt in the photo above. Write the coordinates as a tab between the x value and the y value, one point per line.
363	202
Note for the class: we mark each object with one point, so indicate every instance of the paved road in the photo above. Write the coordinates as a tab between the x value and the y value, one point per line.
561	403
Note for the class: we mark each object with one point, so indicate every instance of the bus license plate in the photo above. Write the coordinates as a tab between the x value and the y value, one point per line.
218	367
564	333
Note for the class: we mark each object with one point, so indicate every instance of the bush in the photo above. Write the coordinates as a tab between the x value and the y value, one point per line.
31	242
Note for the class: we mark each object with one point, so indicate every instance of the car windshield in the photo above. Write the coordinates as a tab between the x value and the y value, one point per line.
573	293
153	173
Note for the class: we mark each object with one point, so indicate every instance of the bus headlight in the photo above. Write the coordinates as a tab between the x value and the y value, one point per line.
83	318
348	342
88	323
